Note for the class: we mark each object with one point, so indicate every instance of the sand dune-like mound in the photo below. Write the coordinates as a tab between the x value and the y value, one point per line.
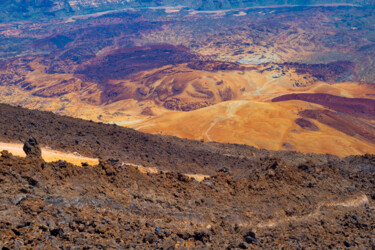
276	126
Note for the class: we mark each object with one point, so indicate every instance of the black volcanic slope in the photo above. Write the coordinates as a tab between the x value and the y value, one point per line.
254	198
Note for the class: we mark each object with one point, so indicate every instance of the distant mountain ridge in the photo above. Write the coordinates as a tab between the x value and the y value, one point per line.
33	9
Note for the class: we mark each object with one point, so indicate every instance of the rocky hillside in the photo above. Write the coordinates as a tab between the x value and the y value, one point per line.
252	199
163	152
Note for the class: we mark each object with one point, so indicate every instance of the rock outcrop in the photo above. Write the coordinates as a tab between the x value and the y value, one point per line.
32	149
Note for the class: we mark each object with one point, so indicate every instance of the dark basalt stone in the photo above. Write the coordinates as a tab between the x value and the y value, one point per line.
250	237
32	148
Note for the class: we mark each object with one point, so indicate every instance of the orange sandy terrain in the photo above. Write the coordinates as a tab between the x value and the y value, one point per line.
263	125
253	120
198	103
235	75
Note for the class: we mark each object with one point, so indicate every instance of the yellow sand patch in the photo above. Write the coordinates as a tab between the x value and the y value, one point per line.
49	155
150	170
198	177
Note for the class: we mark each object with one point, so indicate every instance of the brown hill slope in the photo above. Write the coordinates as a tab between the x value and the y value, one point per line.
270	200
104	140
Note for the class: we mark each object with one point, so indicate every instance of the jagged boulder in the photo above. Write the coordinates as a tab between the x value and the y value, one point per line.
108	166
32	148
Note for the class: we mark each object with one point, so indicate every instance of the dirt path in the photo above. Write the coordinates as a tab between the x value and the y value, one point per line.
353	202
145	170
231	109
49	155
259	91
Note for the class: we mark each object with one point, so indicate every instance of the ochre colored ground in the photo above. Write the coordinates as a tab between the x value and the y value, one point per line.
263	125
248	117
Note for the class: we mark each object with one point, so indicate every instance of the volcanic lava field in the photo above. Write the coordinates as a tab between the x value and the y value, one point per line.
247	198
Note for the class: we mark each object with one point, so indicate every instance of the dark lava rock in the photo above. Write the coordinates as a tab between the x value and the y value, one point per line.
5	154
224	170
108	167
250	237
57	232
113	161
243	245
62	164
32	148
32	205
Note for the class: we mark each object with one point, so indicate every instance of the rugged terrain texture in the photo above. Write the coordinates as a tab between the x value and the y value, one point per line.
254	198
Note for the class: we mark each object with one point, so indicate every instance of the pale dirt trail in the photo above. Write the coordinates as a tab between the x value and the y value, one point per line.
49	155
353	202
231	108
145	170
259	91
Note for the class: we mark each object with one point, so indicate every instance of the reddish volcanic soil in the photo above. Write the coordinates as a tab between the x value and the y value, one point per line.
358	107
122	62
342	122
352	116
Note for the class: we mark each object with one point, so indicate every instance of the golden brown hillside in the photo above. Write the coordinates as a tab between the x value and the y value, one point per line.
211	101
160	70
